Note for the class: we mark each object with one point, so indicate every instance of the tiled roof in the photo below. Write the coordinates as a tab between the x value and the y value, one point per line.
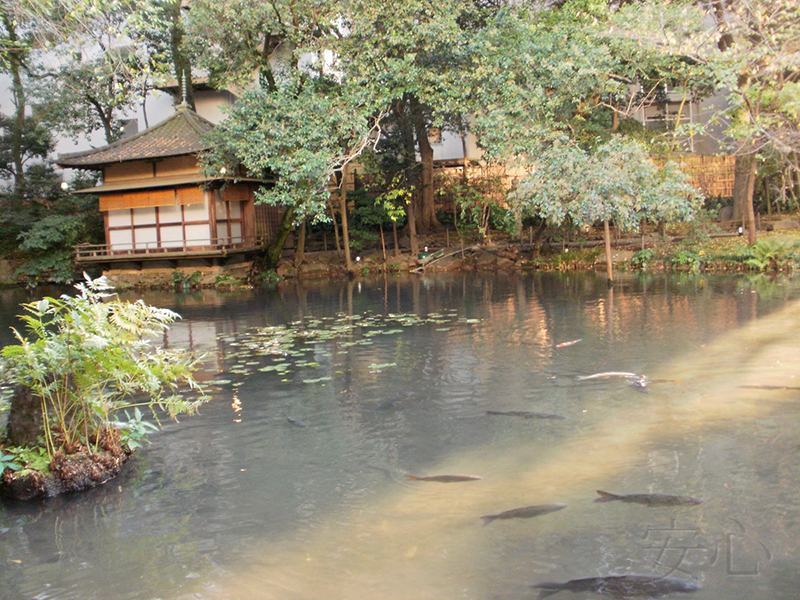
180	134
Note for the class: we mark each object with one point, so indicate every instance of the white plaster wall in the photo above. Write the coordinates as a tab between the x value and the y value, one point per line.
121	239
144	216
169	214
195	212
451	148
198	235
236	232
146	238
119	218
172	236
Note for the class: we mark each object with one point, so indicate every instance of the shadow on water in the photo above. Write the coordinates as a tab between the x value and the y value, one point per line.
244	502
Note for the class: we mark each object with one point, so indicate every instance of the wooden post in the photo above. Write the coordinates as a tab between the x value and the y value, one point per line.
607	237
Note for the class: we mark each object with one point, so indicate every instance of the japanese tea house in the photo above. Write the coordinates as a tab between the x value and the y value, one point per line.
157	204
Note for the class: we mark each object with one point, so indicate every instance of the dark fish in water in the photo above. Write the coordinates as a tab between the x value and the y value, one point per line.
526	512
649	499
444	478
295	422
524	414
570	343
769	387
391	402
622	586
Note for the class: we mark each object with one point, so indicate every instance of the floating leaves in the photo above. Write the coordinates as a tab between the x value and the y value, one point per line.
302	344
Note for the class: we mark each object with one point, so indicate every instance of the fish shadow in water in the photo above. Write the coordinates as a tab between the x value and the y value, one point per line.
523	414
397	400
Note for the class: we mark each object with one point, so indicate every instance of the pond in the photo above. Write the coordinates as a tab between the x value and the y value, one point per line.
296	481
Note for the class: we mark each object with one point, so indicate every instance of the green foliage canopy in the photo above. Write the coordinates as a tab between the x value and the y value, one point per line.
617	182
301	134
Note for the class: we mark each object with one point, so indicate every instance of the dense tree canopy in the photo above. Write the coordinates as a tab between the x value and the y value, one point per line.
318	82
617	181
747	50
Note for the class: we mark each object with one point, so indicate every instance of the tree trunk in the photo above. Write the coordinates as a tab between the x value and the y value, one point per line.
335	229
406	133
743	187
609	265
180	60
751	213
348	262
412	227
464	150
269	259
396	241
427	220
427	217
19	125
301	244
25	424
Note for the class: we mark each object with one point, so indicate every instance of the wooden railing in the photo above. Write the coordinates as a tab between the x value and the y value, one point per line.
86	253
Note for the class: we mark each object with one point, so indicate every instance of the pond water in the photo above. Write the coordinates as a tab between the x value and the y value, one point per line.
293	482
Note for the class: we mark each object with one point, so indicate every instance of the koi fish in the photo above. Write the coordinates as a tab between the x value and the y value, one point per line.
524	414
526	512
649	499
622	586
570	343
444	478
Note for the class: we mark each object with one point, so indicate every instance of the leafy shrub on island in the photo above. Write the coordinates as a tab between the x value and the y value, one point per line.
81	377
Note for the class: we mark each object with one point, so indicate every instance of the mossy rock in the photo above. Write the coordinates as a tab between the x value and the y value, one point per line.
84	469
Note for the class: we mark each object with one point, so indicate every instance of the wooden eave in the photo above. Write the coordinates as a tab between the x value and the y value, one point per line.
197	179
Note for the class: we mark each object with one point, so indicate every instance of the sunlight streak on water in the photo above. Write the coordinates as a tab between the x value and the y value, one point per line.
292	485
423	541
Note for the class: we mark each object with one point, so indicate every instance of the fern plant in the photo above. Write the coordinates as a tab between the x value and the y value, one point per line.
89	358
768	253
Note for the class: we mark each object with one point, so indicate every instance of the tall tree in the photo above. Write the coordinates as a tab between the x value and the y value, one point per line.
159	29
14	50
760	41
240	42
299	122
542	73
616	182
415	55
90	73
82	95
750	50
299	135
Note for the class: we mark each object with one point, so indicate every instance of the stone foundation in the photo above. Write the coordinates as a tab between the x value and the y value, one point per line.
169	277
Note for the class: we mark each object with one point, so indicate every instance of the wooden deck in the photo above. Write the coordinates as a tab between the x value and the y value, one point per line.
105	253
